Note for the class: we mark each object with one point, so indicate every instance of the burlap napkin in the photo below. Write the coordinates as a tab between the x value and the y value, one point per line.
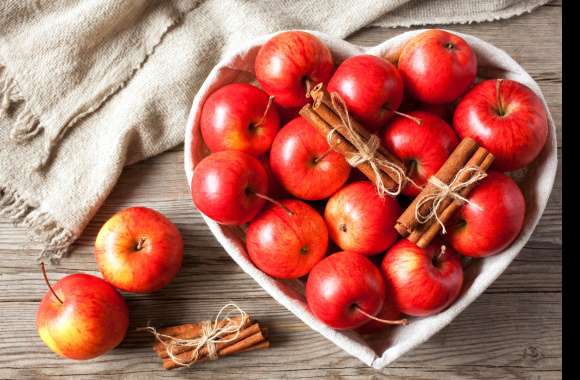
87	87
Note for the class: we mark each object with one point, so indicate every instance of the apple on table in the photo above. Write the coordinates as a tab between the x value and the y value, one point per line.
82	317
139	250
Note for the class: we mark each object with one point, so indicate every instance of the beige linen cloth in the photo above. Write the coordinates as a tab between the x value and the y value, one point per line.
87	87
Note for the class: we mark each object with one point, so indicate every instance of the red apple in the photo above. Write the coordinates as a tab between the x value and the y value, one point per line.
287	240
304	164
507	118
82	317
424	148
422	282
371	87
287	61
139	250
226	186
237	117
388	312
492	220
359	220
342	285
437	66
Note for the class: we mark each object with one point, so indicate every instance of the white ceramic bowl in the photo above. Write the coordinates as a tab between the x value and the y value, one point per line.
536	181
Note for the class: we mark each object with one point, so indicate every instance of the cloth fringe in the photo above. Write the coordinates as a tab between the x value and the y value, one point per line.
26	124
41	225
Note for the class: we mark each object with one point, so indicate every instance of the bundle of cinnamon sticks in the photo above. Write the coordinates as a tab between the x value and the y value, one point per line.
453	181
468	154
176	352
322	115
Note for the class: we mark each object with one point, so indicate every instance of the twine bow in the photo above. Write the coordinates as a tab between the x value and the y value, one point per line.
366	150
210	336
452	190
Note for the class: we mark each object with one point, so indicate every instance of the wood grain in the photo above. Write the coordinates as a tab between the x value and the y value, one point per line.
513	331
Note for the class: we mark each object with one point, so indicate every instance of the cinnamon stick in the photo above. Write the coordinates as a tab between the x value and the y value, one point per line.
343	146
252	336
424	235
179	350
457	160
324	109
260	346
193	330
420	229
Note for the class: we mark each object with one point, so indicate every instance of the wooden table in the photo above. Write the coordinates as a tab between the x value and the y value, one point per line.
513	330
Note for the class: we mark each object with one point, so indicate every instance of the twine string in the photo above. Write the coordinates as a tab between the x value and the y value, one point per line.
443	191
366	150
211	335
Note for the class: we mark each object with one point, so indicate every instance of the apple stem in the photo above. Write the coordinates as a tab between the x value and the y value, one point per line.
413	118
403	321
441	253
43	270
326	153
270	101
500	107
290	212
308	86
140	243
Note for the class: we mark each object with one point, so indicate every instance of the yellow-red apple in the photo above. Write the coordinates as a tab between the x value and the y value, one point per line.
82	317
139	250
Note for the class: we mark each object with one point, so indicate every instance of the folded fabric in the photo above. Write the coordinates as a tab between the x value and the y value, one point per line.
89	87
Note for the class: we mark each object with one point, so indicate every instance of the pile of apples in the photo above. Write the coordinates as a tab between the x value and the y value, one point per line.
309	215
82	316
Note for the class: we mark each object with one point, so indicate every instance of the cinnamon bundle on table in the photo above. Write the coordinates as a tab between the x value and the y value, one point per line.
468	154
183	345
322	115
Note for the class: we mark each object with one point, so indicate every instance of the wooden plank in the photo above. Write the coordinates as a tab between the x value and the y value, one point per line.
517	338
513	331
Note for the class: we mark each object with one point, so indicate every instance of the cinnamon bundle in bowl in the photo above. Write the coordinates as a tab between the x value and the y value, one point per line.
328	117
445	193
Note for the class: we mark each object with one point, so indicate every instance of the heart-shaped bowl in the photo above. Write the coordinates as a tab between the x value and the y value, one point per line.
379	351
